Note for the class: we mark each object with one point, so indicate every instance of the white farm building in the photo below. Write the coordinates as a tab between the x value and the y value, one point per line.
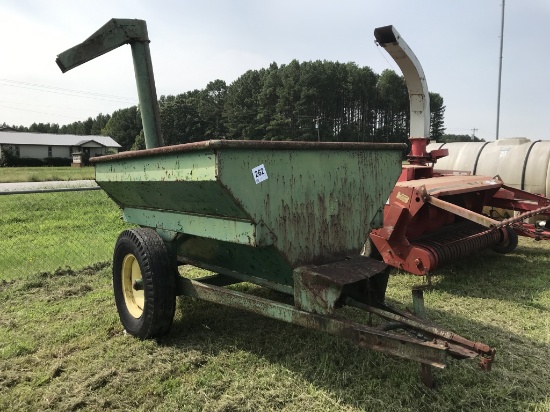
44	145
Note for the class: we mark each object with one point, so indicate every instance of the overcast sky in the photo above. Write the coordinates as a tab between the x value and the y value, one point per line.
194	42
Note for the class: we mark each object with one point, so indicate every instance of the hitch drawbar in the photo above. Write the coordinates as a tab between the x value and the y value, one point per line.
420	339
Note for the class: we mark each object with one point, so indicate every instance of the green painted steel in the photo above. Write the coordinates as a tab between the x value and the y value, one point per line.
264	262
113	34
147	93
228	230
284	215
316	204
184	182
320	204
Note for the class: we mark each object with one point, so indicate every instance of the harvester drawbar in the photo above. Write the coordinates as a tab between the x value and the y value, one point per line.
289	216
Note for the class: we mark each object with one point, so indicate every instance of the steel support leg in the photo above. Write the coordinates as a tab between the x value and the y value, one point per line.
419	310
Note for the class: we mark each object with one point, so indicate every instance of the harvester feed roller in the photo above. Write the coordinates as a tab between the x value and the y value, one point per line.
289	216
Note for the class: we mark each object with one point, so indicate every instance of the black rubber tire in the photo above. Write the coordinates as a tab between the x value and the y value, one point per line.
369	250
510	245
154	315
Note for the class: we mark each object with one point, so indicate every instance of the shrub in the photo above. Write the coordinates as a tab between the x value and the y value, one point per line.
57	161
14	161
7	159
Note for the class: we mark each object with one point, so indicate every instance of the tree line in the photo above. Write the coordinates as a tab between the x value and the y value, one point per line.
453	138
312	101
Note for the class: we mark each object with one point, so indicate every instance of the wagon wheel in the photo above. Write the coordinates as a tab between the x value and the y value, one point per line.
510	245
144	283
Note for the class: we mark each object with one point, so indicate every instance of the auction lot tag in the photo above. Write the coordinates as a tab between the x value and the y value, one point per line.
259	173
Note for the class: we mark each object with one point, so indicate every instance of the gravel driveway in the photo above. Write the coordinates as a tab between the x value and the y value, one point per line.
24	187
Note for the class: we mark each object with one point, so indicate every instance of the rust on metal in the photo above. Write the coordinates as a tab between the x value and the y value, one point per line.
214	209
346	271
519	218
486	362
249	144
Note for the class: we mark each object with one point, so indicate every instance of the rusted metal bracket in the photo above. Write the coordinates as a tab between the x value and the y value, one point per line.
319	288
429	345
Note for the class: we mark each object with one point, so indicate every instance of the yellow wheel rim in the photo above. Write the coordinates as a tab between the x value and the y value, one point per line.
130	274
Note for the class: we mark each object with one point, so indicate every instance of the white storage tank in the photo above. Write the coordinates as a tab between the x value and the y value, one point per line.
519	162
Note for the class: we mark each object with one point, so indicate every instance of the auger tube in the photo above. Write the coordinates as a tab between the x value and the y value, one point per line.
115	33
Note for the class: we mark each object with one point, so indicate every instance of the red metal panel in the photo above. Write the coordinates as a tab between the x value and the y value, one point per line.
452	185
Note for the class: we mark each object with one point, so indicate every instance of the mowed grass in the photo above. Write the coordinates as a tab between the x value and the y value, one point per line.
63	348
43	231
43	174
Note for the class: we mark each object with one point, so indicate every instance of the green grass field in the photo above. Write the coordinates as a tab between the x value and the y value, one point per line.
42	174
43	231
63	348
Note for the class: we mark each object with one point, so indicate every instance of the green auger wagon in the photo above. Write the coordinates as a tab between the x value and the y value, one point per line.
288	216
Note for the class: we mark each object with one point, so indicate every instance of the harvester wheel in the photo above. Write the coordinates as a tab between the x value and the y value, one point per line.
510	245
144	283
369	250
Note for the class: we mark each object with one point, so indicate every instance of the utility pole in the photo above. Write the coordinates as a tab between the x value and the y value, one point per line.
474	130
317	127
500	67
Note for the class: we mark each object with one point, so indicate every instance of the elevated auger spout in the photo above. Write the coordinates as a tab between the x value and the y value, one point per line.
115	33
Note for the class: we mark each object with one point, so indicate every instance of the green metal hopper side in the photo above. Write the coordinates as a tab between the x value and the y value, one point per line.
315	203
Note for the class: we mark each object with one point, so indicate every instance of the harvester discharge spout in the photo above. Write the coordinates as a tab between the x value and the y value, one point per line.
388	38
